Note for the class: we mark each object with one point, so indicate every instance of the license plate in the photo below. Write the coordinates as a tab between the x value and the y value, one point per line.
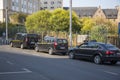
62	47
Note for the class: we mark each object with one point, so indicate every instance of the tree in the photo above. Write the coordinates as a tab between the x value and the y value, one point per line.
39	21
18	18
60	20
99	33
109	25
87	24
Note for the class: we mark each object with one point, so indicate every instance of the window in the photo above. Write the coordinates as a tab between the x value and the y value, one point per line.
52	7
52	2
85	45
59	2
45	2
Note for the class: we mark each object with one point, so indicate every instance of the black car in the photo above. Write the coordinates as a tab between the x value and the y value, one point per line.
96	51
24	40
52	45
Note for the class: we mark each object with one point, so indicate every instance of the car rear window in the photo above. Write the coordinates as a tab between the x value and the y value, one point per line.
32	35
110	46
62	41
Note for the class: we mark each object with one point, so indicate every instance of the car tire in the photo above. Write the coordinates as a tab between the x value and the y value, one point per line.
113	62
97	59
22	46
71	55
36	49
11	44
50	51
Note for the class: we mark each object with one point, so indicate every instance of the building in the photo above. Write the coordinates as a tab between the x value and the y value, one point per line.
24	6
50	4
108	14
85	11
97	12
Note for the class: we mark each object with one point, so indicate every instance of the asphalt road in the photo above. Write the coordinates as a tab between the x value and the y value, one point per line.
18	64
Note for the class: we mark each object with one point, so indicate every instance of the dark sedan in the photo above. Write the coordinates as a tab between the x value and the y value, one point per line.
96	51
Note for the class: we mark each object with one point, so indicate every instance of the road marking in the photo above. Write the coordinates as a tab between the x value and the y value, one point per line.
18	72
9	62
27	70
112	73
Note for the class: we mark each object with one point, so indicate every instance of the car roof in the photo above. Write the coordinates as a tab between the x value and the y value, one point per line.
98	43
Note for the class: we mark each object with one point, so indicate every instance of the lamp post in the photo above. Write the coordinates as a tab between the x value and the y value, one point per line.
70	36
6	10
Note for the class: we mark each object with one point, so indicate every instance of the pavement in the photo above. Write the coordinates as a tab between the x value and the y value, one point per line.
26	64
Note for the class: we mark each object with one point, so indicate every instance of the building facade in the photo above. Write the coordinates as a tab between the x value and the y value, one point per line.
108	14
24	6
96	12
27	6
50	4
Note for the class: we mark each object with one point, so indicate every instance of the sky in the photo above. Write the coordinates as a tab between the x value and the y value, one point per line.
92	3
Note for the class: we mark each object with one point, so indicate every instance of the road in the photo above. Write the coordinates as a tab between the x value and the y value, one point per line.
18	64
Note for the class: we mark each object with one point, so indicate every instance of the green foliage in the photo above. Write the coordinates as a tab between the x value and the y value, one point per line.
18	18
98	33
57	20
87	24
109	25
60	21
39	21
12	29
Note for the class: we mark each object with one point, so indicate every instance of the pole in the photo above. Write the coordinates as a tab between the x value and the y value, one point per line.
6	24
70	23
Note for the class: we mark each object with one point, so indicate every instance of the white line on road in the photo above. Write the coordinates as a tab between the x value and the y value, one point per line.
18	72
27	70
112	73
9	62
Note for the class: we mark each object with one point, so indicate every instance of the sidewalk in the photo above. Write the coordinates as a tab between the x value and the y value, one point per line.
3	41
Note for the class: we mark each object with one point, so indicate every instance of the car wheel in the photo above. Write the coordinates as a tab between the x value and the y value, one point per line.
22	46
36	49
71	55
50	51
11	44
97	59
113	62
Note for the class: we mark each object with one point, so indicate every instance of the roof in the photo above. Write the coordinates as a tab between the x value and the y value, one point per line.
85	11
110	13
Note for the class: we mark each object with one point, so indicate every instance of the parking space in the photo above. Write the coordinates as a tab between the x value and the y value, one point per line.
8	67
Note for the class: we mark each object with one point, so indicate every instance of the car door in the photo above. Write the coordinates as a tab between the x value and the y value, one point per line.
82	50
91	50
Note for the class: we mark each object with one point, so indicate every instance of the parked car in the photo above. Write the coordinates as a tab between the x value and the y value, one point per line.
96	51
52	45
24	40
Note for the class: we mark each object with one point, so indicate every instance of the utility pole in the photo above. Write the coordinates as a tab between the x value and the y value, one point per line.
70	36
6	23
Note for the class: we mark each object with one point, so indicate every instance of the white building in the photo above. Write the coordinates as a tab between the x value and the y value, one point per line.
25	6
51	4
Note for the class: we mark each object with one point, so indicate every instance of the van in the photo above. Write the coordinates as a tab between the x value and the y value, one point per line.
52	45
24	40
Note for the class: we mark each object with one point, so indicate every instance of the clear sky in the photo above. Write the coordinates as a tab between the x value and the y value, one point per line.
92	3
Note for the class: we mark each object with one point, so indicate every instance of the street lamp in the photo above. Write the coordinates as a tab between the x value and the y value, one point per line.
6	24
70	36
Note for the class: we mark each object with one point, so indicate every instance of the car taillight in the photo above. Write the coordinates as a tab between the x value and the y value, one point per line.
109	52
55	44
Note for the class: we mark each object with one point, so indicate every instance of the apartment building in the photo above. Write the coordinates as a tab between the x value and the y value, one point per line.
25	6
50	4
